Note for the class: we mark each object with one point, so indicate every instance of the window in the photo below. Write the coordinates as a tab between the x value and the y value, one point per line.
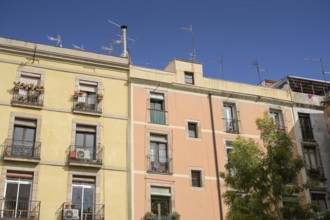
28	89
161	201
157	108
83	196
159	161
192	129
306	127
24	136
189	78
86	98
229	148
196	178
277	116
18	193
312	161
85	142
320	199
230	118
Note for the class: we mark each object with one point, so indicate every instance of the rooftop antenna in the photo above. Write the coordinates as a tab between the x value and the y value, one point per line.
109	49
220	62
323	72
58	40
79	47
191	32
255	64
123	38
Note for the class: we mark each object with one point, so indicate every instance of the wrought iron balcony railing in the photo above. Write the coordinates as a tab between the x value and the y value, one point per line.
28	97
84	211
315	172
22	149
19	209
90	104
157	116
164	165
83	154
231	125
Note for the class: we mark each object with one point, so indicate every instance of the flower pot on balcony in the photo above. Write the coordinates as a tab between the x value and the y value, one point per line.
99	97
77	94
72	154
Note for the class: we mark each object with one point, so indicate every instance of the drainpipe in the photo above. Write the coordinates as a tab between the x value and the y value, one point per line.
216	157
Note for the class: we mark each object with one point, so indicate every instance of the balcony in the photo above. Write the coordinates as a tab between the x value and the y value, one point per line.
164	167
158	116
90	105
231	125
85	156
27	151
32	97
84	211
315	172
19	209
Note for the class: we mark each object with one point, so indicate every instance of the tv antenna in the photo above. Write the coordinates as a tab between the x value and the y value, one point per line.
79	47
255	64
58	40
220	62
191	32
123	38
323	72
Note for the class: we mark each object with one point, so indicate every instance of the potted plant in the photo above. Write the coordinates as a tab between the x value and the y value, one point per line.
39	88
149	216
17	85
99	97
175	216
77	93
81	105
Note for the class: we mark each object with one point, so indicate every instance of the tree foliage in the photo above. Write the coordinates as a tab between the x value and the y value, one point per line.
260	175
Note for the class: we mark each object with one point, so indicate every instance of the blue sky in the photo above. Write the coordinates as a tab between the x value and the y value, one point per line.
279	34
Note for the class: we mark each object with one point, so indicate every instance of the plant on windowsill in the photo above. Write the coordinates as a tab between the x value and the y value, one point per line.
77	94
99	97
81	105
39	88
149	216
326	101
175	216
18	85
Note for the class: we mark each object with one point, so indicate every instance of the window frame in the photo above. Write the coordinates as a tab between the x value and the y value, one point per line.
154	112
196	130
306	127
233	119
189	78
277	116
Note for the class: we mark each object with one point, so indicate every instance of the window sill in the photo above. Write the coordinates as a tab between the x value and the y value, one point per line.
27	105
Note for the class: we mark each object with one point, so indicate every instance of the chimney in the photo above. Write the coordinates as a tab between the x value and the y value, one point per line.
124	41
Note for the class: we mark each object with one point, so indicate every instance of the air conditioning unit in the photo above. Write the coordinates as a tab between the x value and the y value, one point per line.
83	154
70	214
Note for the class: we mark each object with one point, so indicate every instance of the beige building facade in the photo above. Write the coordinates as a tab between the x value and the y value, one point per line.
64	123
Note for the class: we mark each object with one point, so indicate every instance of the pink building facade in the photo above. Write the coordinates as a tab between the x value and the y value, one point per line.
182	128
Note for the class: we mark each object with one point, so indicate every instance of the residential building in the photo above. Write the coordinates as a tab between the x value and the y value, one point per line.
182	128
313	139
63	131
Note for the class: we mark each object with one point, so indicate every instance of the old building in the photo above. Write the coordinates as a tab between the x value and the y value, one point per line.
64	122
312	134
182	128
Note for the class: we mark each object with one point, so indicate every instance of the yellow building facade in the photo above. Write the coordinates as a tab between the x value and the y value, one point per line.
64	126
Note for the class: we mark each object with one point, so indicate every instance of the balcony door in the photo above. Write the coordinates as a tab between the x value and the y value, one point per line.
85	142
17	197
158	153
24	138
230	118
83	195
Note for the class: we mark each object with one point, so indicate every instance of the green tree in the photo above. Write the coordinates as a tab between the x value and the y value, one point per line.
259	176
